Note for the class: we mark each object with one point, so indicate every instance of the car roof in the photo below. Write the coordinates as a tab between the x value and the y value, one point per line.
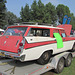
40	26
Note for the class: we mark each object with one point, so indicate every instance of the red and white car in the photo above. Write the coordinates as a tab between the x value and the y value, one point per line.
33	42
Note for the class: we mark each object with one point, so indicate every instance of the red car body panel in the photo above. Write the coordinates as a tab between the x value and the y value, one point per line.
67	28
31	45
9	43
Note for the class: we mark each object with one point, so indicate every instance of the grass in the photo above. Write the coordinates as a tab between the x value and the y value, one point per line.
69	70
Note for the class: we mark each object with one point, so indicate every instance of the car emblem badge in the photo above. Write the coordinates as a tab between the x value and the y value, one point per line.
4	42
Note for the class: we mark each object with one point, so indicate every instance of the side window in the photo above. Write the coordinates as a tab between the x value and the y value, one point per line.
63	33
39	32
46	32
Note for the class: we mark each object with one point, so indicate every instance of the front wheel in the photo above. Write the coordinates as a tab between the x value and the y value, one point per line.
45	57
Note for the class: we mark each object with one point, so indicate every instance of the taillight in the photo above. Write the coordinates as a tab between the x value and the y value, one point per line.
19	50
21	44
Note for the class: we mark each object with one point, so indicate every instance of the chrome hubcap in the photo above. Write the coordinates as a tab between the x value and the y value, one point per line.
46	56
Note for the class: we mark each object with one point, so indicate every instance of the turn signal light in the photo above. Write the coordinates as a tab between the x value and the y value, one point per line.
19	50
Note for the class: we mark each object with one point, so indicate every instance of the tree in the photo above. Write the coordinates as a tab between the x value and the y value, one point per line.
2	13
34	11
73	21
50	14
62	10
25	13
11	18
40	12
45	13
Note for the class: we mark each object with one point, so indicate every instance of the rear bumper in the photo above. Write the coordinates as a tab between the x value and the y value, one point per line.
12	55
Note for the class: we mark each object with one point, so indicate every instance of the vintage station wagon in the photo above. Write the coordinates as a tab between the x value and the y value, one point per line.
33	42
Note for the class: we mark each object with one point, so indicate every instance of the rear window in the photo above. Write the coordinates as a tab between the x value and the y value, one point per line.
17	31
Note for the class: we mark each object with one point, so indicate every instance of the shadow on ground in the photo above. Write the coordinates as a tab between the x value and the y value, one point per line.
48	73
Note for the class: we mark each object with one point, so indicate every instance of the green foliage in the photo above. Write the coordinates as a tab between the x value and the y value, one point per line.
72	21
25	13
39	13
50	14
34	11
62	10
11	18
45	13
2	13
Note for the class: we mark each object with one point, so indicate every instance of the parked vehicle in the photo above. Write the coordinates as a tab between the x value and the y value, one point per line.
34	42
1	32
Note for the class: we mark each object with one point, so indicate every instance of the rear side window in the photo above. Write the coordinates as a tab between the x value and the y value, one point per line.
63	34
39	32
17	31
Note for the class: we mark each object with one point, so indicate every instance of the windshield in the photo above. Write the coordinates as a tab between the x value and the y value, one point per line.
17	31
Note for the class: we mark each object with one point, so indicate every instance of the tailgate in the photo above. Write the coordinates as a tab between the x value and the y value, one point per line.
10	43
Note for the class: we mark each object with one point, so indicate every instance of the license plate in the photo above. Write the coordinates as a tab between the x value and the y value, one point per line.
2	54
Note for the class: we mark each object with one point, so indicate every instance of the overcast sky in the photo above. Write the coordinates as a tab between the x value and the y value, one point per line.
15	5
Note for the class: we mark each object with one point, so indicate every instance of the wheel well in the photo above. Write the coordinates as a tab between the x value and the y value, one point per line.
50	51
42	59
